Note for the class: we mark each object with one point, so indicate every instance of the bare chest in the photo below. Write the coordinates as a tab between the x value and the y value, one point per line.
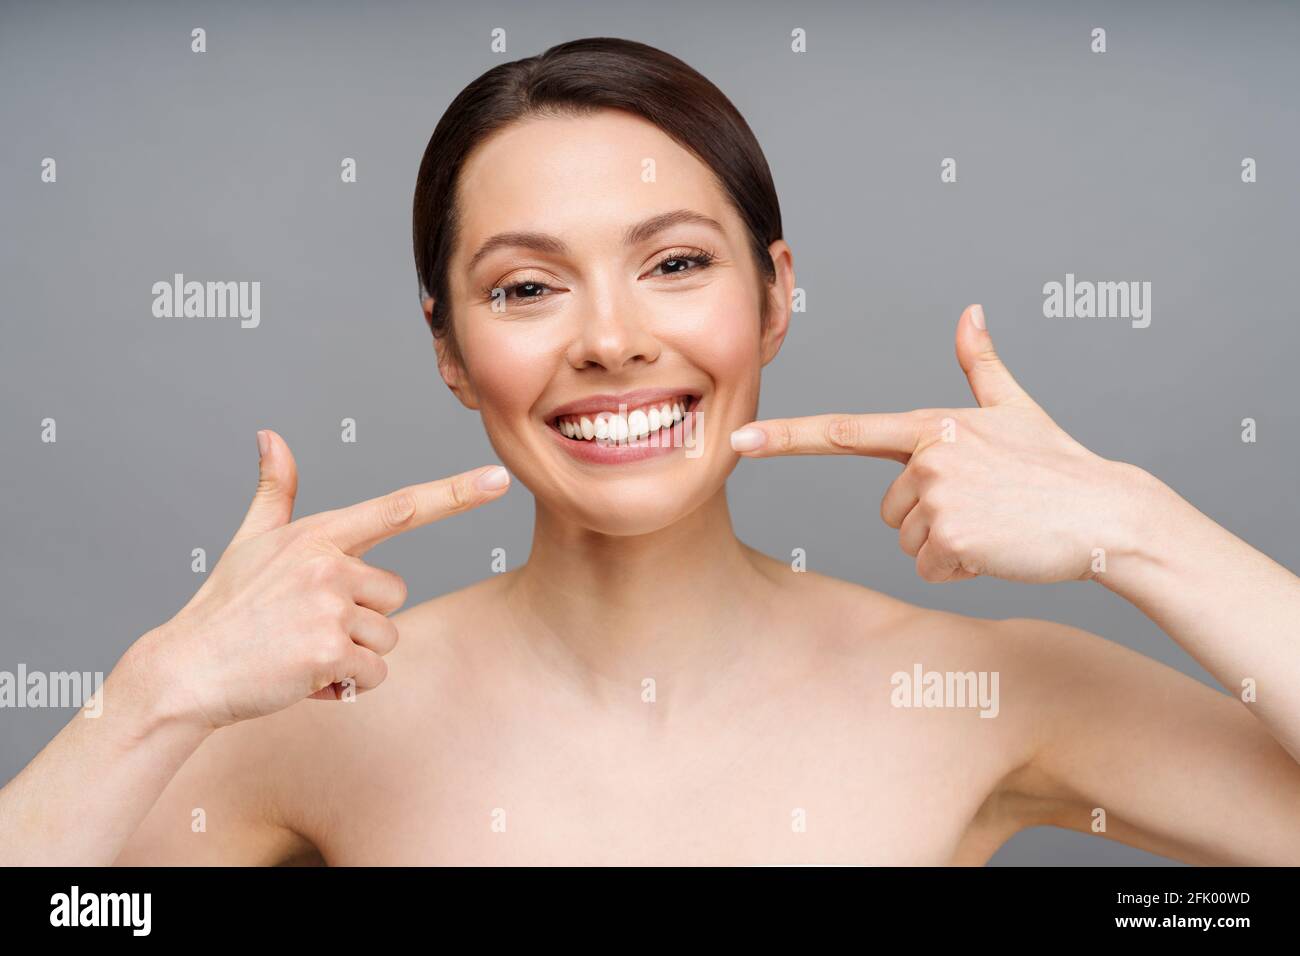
899	792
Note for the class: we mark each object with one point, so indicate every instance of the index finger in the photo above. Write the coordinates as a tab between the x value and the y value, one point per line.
358	528
876	434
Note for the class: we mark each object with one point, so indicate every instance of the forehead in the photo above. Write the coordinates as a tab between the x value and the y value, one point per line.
584	178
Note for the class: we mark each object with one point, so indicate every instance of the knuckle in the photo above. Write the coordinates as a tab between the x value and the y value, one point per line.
400	590
925	465
333	607
779	436
842	431
310	533
325	657
946	536
317	573
458	494
941	425
939	498
928	572
397	509
325	572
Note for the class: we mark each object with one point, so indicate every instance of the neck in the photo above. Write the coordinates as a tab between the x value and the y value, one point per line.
611	611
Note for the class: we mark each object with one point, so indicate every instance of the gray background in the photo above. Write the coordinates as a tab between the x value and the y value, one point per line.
225	166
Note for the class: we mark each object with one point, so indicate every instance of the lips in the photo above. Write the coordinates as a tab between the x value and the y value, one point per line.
634	426
624	424
609	402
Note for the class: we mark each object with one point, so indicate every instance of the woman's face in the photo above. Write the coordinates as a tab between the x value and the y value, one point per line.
601	274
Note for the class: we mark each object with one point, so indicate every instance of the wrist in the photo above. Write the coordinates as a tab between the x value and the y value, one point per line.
1144	528
143	692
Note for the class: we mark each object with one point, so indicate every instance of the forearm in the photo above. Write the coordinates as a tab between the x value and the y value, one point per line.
82	797
1231	607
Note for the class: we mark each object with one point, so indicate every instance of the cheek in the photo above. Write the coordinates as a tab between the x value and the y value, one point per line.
509	370
723	340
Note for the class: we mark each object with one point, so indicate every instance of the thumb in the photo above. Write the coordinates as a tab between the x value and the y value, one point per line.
990	381
277	484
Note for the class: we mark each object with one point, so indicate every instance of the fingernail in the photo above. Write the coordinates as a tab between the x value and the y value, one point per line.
747	439
977	316
494	478
263	444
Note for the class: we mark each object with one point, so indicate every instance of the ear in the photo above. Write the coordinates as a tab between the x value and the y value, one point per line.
450	365
778	303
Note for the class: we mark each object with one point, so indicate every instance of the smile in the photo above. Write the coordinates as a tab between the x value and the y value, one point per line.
645	426
624	425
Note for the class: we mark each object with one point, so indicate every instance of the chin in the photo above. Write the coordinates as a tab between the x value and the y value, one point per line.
628	524
635	504
621	492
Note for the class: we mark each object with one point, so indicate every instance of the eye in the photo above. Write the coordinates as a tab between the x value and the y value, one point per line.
684	260
677	262
525	289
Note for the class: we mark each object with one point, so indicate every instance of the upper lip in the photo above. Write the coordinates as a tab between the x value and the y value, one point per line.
610	402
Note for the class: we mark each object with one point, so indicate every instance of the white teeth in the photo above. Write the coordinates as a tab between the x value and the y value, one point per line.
638	424
610	426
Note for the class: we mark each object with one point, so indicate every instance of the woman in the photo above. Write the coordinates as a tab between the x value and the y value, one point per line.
647	688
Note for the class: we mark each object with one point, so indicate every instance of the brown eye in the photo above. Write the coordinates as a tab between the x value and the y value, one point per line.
526	290
679	263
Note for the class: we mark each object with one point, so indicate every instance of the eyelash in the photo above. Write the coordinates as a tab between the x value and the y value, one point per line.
702	258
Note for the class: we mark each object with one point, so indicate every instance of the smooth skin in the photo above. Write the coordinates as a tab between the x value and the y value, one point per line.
646	688
1001	490
290	612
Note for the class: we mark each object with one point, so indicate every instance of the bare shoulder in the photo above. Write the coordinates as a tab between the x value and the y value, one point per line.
470	612
850	621
264	791
1089	734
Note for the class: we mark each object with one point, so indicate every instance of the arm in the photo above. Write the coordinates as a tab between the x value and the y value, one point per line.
123	787
84	794
290	612
1232	608
1002	490
1181	770
1177	768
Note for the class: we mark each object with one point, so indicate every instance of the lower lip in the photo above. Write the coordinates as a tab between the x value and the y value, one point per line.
666	441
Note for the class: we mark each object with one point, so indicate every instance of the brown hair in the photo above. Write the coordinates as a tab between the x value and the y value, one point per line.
577	78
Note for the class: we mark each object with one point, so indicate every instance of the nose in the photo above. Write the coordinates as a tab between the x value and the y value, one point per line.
612	334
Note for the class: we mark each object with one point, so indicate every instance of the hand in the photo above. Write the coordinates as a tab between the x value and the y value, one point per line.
291	611
999	490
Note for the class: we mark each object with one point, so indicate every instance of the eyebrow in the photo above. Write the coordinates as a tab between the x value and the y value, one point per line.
544	242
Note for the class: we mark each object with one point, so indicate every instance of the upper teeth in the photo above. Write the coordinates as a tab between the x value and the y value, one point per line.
613	426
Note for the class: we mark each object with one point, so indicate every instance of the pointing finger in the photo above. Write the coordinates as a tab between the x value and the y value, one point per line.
358	528
892	435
